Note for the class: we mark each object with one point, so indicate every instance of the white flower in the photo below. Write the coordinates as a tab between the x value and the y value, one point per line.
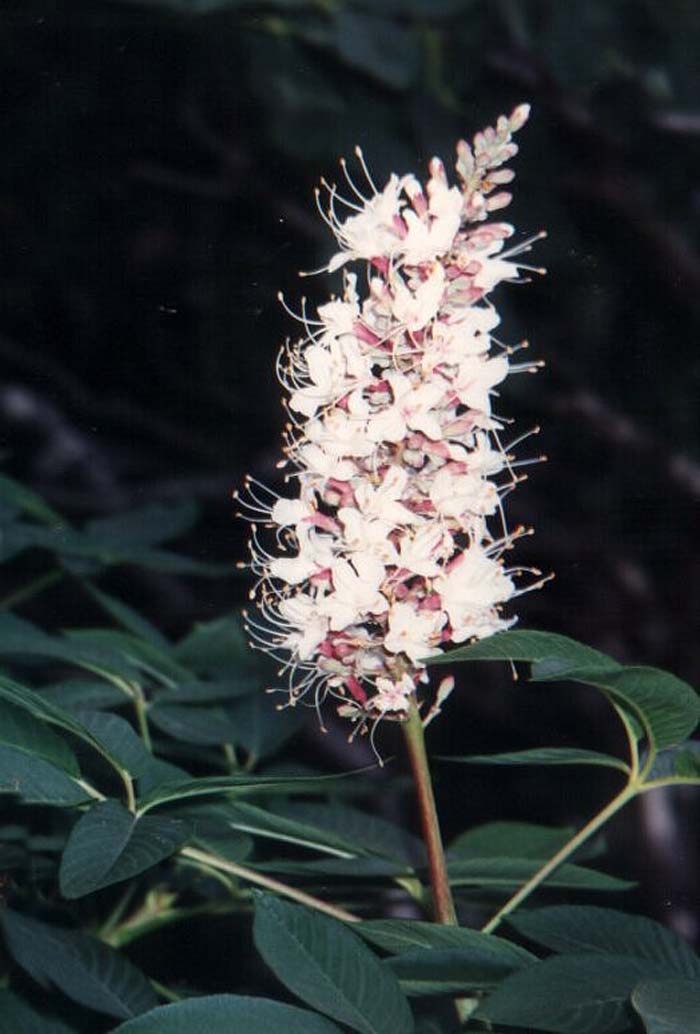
393	696
372	231
412	409
301	612
454	495
355	591
315	554
364	534
383	502
470	591
421	552
415	308
476	377
412	631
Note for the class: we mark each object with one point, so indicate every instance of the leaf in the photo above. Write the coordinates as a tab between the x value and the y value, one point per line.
380	47
29	734
524	644
145	526
16	1017
214	647
442	971
568	929
109	844
23	499
571	994
234	785
208	726
512	872
359	867
36	781
139	654
680	764
261	730
668	708
399	936
517	839
38	706
83	694
435	959
357	830
328	966
126	616
119	739
82	967
543	756
668	1006
225	1014
208	692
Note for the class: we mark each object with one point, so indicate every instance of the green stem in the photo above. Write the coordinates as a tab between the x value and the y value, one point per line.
244	873
34	587
443	904
619	801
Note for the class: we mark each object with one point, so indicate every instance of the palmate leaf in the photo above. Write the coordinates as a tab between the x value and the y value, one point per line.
83	968
575	929
668	1006
205	726
224	1014
109	844
571	994
146	526
26	501
126	616
329	967
399	936
679	764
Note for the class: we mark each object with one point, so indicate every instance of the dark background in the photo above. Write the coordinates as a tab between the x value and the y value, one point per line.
156	193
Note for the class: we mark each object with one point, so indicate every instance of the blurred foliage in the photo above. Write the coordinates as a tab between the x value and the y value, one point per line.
156	193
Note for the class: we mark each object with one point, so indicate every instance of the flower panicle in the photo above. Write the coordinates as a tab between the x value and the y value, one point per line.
394	543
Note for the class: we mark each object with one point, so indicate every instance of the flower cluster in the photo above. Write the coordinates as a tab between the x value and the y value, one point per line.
386	553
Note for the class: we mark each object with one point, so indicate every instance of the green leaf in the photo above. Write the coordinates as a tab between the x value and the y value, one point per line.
399	936
529	645
83	968
668	1006
435	959
571	994
109	844
356	830
575	929
668	708
261	730
23	499
328	966
235	785
146	526
543	756
517	839
512	872
214	647
36	781
226	1014
680	764
119	739
443	971
139	654
221	690
16	1017
42	708
126	616
27	733
83	694
207	726
357	868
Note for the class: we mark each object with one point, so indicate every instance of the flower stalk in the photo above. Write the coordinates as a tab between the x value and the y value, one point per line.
443	903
